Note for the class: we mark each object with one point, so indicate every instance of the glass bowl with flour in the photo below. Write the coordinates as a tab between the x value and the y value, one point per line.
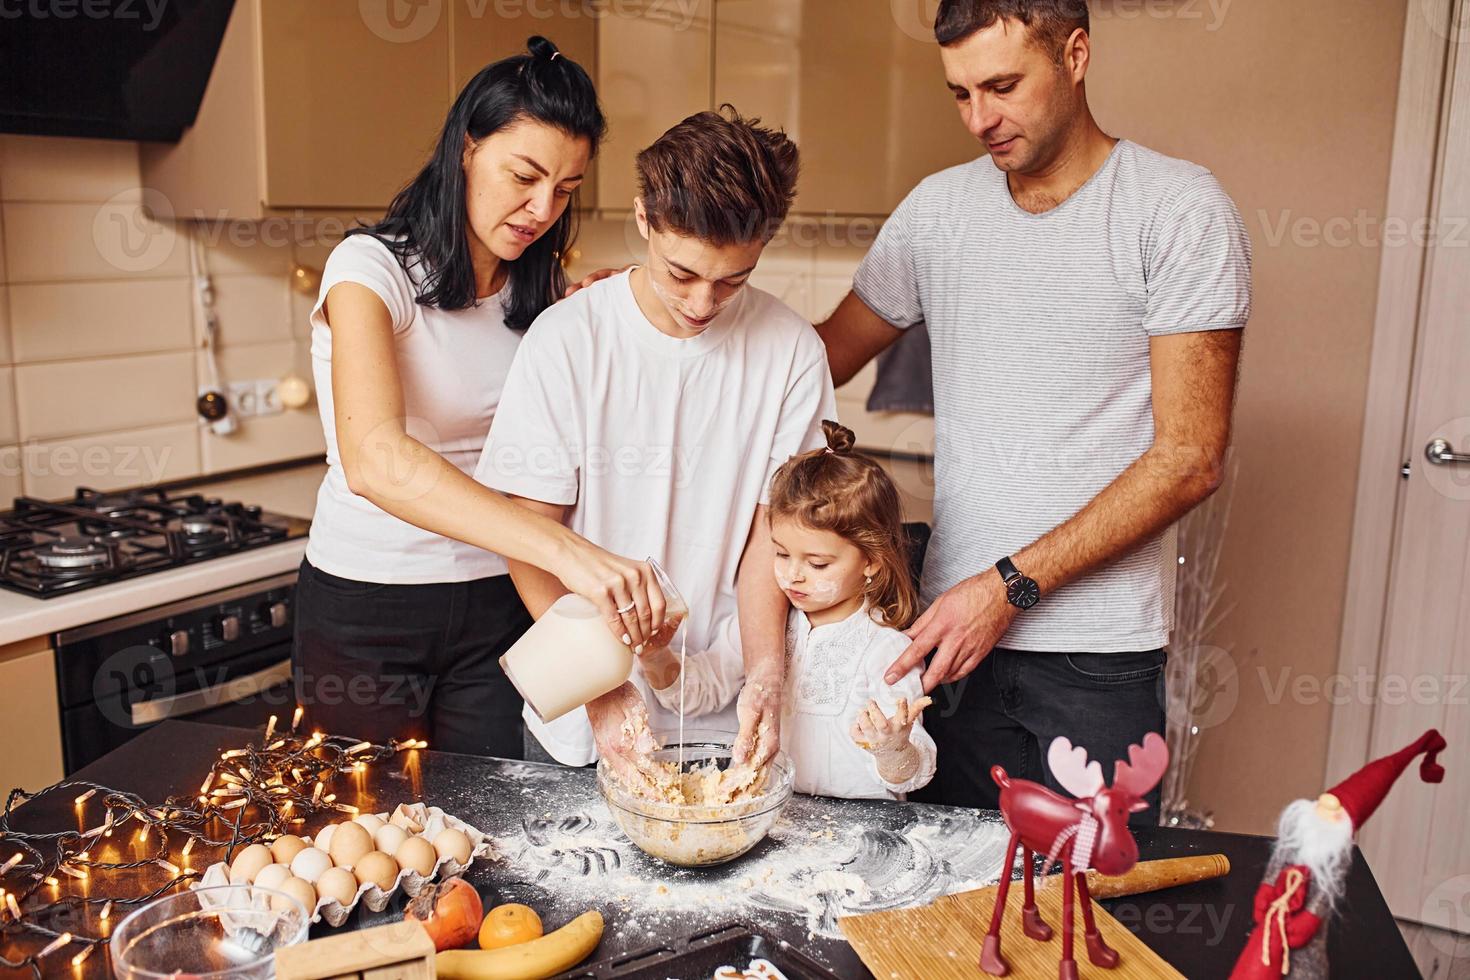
702	811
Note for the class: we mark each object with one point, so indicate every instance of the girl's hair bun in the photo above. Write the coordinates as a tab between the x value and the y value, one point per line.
840	438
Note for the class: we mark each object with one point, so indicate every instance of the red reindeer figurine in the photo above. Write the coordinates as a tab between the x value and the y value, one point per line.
1088	832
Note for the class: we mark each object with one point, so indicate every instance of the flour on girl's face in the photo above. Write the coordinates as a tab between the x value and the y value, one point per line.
817	569
822	593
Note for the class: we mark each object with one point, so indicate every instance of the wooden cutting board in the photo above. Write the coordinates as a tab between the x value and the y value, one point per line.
942	941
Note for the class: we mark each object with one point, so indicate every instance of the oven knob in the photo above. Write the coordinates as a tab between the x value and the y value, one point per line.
278	614
178	643
229	628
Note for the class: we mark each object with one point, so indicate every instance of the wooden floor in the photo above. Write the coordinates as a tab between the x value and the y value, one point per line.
1441	954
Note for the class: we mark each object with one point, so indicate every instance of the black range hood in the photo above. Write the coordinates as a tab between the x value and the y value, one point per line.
116	69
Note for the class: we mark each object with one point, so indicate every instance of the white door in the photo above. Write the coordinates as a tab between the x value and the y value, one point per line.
1418	843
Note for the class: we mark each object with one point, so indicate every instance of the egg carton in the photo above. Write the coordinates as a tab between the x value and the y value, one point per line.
334	913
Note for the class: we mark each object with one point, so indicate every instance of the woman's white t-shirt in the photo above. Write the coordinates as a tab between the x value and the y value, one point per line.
452	365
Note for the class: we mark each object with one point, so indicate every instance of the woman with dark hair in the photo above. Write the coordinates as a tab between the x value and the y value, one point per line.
404	604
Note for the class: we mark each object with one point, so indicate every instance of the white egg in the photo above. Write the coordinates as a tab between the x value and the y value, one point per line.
272	876
387	838
309	863
323	840
369	822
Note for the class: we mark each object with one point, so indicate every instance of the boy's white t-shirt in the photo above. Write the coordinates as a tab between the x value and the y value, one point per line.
452	366
832	671
661	447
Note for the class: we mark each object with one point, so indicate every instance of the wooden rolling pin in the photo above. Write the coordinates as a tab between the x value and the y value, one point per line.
1151	876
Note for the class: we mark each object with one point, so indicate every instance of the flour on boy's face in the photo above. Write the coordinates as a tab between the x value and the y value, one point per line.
689	282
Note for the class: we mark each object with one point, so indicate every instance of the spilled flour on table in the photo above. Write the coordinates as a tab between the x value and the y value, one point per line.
815	866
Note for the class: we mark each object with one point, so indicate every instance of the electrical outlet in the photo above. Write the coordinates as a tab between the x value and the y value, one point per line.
244	401
268	397
252	398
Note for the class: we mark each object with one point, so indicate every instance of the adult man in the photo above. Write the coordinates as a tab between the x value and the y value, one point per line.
650	410
1085	299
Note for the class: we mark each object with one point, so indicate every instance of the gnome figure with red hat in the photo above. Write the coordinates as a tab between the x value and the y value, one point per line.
1309	864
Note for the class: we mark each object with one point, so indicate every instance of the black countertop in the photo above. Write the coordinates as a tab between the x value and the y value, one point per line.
563	855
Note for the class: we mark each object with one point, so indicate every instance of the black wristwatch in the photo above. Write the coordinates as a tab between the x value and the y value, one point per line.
1021	592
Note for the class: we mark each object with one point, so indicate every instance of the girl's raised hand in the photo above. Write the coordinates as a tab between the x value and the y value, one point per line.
880	734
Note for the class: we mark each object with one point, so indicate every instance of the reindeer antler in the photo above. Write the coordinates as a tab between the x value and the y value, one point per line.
1070	767
1145	766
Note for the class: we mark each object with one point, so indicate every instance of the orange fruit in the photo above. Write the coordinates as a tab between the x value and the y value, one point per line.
506	925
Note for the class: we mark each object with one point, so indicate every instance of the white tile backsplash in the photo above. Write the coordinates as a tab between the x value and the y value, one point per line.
8	430
67	242
110	460
59	399
45	168
252	309
54	321
99	348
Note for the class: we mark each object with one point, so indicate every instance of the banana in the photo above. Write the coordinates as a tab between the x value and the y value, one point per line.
531	960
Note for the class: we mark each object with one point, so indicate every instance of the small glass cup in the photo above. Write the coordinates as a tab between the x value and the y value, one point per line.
676	610
224	932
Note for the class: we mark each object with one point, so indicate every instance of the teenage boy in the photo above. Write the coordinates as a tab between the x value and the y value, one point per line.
650	410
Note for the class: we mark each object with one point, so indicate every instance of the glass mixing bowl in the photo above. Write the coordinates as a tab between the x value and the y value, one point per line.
226	932
698	834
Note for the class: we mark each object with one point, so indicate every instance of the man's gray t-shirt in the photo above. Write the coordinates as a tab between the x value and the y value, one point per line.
1040	327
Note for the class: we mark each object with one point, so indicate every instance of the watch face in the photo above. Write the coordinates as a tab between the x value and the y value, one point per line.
1022	592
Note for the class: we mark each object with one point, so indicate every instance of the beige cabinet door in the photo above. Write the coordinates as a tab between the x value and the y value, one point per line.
654	69
482	34
860	89
1417	843
354	96
30	716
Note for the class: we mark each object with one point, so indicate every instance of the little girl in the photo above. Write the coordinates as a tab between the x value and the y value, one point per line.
841	560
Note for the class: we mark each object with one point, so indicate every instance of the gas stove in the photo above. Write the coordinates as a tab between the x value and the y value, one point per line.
50	549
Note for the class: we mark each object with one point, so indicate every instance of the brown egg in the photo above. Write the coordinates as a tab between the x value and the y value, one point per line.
378	868
350	841
298	889
284	848
418	854
453	843
337	883
248	862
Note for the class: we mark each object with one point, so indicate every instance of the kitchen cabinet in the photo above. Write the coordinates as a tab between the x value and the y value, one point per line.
863	95
333	104
30	723
481	34
654	68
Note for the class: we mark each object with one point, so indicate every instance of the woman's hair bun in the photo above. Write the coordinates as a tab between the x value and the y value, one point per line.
542	48
840	438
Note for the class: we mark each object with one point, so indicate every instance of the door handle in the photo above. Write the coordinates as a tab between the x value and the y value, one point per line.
1441	453
190	702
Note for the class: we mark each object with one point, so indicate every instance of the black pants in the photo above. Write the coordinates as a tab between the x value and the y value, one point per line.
1010	708
410	661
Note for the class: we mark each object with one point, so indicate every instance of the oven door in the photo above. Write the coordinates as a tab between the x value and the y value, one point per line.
222	658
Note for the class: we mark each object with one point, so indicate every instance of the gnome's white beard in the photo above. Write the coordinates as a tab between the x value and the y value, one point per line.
1325	847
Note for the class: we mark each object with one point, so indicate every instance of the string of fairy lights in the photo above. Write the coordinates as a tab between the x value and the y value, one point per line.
251	795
